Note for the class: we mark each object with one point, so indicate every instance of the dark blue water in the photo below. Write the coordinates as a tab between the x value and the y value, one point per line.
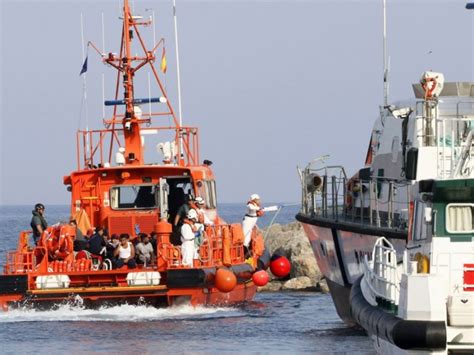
290	322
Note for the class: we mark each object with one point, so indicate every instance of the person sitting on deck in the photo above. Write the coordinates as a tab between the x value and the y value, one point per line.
80	242
112	243
154	240
188	230
96	245
38	222
144	250
125	253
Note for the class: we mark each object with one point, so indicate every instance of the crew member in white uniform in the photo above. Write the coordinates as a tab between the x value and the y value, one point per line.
188	231
254	210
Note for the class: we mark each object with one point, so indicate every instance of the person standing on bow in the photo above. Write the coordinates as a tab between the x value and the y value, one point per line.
188	233
254	210
38	222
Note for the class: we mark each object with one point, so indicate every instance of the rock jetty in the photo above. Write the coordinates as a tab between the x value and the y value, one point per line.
290	241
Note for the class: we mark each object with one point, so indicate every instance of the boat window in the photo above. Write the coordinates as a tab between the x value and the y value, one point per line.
211	194
207	190
134	197
395	147
459	218
420	229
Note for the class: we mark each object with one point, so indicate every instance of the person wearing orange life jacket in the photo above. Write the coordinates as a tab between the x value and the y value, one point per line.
202	222
254	210
202	217
188	234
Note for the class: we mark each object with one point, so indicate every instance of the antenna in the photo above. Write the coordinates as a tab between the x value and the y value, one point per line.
84	75
103	76
179	78
103	96
385	61
103	34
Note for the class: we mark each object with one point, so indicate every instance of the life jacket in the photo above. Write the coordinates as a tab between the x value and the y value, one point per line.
259	212
200	214
58	241
258	245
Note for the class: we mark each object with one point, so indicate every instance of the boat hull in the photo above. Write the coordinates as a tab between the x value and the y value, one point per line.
98	288
340	249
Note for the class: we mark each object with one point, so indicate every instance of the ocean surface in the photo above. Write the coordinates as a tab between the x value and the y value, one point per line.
285	322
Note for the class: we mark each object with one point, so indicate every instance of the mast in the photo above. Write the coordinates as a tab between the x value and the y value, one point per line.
127	65
385	61
175	20
131	126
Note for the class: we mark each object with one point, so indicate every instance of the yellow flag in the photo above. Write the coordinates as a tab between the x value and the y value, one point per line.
163	65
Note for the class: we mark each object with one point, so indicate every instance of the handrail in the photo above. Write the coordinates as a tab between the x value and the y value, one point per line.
211	251
356	200
381	273
92	149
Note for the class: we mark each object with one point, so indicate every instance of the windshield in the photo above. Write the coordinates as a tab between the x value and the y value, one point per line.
134	197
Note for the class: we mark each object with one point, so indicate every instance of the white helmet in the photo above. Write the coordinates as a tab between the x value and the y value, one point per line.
199	200
192	214
254	197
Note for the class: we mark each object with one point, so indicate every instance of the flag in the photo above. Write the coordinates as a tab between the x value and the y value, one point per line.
163	65
84	67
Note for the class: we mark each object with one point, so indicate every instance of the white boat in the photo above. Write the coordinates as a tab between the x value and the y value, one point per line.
395	241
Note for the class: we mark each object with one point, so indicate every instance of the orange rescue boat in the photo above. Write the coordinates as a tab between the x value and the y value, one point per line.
134	195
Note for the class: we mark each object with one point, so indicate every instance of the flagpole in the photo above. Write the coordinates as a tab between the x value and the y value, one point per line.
84	86
180	118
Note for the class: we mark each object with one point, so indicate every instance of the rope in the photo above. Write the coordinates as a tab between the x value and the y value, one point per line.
275	216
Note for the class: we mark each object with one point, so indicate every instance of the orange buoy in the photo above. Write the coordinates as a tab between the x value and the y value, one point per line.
225	280
260	278
280	266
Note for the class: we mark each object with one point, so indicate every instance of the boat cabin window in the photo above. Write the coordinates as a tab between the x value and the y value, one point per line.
459	218
420	230
207	190
134	197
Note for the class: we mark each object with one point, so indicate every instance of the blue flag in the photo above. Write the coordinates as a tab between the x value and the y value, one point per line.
84	66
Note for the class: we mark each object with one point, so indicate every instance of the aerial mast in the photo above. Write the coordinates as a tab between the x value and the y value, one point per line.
385	60
131	126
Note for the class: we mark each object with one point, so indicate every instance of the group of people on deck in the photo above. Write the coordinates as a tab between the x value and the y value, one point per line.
190	222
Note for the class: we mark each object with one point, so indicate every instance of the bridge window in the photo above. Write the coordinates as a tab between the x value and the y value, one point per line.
134	197
207	190
459	218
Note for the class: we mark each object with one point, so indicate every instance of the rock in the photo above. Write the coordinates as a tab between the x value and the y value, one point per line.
322	286
290	241
305	266
298	283
272	286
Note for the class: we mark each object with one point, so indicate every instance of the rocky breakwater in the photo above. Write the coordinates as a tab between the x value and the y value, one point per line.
290	241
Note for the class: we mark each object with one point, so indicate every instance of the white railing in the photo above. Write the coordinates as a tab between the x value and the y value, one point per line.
453	138
381	273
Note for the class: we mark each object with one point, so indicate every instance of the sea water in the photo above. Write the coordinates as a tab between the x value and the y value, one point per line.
286	322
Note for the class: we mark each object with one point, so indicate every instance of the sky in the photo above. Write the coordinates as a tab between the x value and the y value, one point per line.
270	84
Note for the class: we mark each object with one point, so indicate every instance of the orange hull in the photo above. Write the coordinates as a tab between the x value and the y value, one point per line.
96	295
